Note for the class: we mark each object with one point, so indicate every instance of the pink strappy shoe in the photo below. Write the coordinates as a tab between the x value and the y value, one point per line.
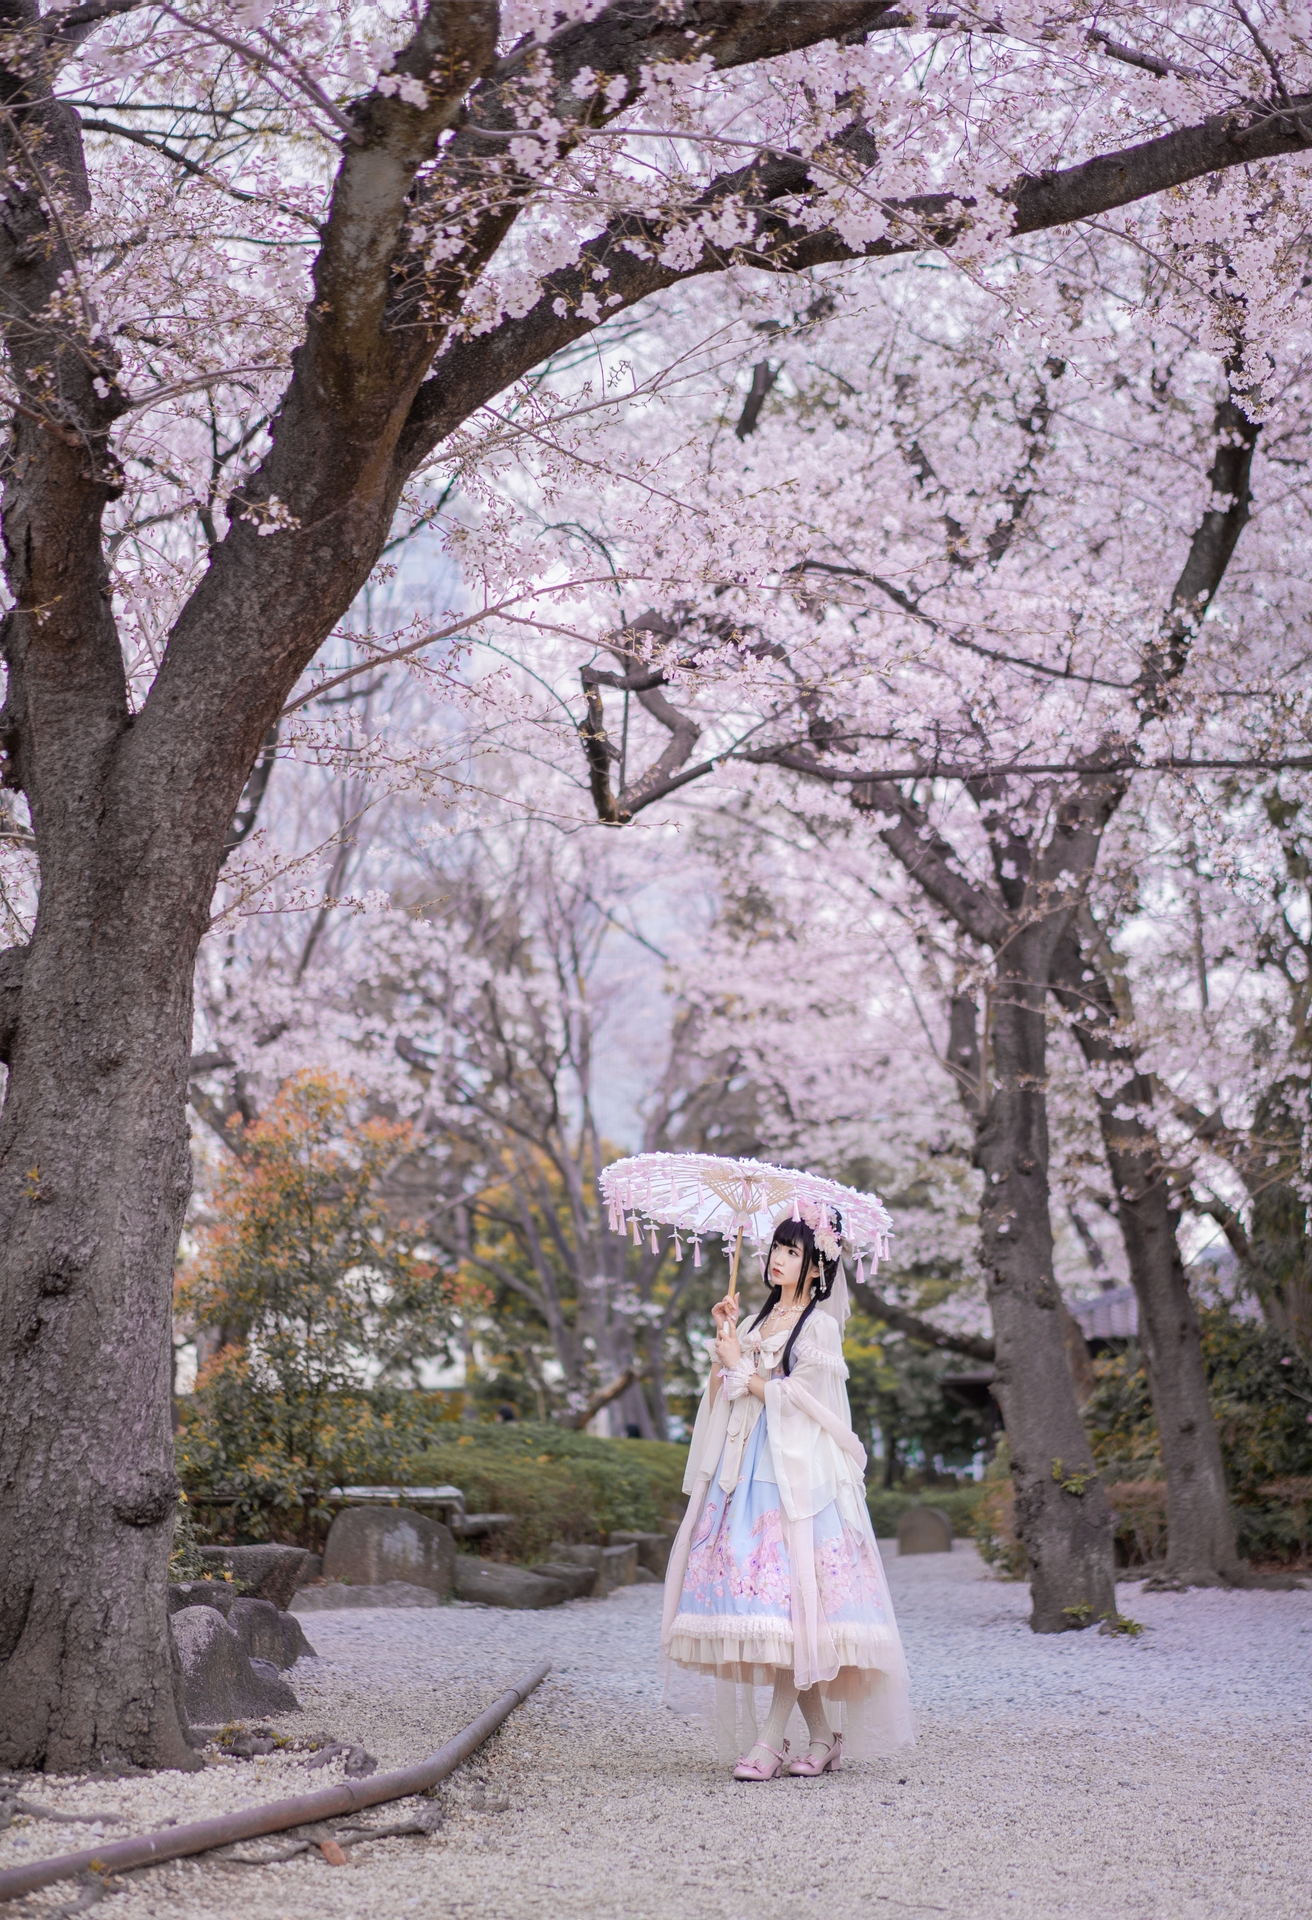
808	1766
761	1769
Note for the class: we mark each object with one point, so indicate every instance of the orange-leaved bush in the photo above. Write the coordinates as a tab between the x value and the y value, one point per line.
322	1296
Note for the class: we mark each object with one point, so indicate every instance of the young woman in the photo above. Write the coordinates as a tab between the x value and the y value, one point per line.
775	1578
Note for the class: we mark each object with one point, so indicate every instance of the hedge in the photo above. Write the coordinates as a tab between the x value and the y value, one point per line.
558	1484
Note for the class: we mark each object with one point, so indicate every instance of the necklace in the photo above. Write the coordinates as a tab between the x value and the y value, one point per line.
780	1316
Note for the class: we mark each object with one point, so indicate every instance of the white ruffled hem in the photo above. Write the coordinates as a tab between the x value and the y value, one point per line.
752	1650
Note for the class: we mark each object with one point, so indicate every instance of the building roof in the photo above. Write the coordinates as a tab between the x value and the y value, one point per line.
1113	1315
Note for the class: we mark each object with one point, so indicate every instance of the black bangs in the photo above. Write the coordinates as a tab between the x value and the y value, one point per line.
794	1233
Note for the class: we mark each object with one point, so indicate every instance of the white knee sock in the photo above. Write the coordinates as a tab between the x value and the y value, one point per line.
813	1710
785	1699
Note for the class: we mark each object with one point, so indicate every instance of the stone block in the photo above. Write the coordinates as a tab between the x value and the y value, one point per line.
295	1646
646	1578
478	1526
653	1549
266	1573
493	1584
615	1566
219	1683
577	1555
369	1546
312	1570
578	1579
218	1594
924	1530
619	1568
258	1625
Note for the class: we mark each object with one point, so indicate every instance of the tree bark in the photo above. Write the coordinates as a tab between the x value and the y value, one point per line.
1062	1513
1201	1548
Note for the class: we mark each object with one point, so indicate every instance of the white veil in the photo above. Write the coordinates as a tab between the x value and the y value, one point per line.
839	1304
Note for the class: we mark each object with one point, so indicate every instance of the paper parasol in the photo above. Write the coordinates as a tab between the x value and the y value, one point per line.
701	1193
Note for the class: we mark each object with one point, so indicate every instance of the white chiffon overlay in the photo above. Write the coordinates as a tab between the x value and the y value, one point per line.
775	1568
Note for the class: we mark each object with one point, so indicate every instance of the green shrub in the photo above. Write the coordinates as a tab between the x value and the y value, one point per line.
1139	1507
560	1485
1261	1394
185	1562
231	1441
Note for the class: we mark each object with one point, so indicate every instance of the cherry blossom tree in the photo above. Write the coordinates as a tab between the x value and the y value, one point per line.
260	263
1036	837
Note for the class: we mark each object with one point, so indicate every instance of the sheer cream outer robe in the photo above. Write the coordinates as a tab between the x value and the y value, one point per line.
818	1462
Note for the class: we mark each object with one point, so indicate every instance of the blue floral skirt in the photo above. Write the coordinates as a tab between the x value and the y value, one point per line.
746	1611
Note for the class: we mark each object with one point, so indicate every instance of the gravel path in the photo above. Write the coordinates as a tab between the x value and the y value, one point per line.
1164	1776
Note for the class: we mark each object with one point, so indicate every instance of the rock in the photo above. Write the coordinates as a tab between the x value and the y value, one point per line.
615	1566
924	1530
295	1646
258	1625
492	1584
265	1633
646	1578
312	1570
245	1746
371	1546
653	1549
331	1597
219	1682
619	1568
266	1573
577	1556
578	1580
477	1526
218	1594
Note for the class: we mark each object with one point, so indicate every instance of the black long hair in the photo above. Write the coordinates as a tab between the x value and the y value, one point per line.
796	1233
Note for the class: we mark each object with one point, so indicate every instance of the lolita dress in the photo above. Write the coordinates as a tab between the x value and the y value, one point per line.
775	1570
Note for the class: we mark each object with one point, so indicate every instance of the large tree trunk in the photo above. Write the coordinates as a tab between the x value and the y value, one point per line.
1201	1548
95	1169
129	814
1062	1514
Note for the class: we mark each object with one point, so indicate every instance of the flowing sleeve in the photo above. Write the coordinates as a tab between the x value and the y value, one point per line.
810	1427
707	1434
703	1457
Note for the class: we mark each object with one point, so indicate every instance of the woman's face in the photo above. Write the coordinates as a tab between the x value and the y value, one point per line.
785	1266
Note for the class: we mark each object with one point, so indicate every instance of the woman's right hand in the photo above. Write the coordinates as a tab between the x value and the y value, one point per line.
725	1313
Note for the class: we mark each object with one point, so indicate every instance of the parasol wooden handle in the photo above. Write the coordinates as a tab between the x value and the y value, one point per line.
733	1270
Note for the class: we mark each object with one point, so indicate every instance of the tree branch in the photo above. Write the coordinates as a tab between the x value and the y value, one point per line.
924	1332
471	371
601	1399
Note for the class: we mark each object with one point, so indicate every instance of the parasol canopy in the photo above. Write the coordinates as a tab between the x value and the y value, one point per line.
705	1193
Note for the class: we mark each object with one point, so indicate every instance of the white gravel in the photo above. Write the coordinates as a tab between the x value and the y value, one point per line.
1076	1775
